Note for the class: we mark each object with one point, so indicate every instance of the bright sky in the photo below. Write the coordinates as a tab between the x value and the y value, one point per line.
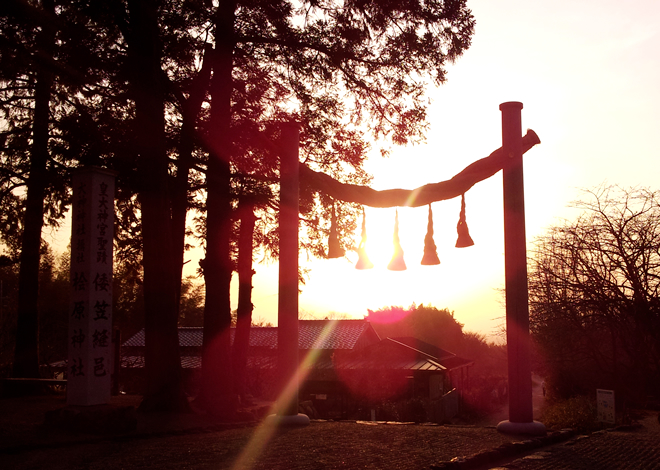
587	74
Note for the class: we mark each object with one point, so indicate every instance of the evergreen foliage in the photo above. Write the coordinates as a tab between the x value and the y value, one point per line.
184	100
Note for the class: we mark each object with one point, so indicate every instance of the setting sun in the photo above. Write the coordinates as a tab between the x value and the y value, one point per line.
575	96
329	234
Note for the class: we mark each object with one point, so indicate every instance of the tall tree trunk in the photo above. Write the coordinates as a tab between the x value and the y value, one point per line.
217	384
26	355
191	109
244	313
163	364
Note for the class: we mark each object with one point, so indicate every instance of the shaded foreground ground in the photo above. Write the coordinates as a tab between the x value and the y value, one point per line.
196	442
637	448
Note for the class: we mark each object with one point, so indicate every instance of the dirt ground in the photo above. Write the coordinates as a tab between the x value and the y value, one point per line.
194	441
166	441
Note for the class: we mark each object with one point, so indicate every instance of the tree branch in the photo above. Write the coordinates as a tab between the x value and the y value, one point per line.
459	184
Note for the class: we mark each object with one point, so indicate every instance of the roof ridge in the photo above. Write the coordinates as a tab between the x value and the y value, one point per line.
449	353
428	356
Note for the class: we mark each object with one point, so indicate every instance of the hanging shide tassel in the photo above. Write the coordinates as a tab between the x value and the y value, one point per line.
363	260
464	239
334	248
397	263
430	257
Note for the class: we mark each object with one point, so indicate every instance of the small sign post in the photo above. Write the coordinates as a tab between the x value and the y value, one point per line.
605	408
90	368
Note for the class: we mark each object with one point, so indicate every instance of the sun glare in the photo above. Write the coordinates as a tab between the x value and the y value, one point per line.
265	431
467	279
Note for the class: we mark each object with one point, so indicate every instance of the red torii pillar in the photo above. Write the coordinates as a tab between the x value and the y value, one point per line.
521	419
287	307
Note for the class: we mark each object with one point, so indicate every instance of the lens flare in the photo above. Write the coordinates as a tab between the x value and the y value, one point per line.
267	428
410	202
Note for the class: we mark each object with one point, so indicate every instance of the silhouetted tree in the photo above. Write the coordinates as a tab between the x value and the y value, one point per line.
192	302
594	284
136	74
45	64
244	310
72	94
427	323
8	307
347	65
40	82
164	387
54	289
146	108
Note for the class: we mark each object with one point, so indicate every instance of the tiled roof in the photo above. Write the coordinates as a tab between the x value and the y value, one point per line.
424	347
331	334
312	334
403	363
188	337
356	343
387	355
448	359
456	362
393	354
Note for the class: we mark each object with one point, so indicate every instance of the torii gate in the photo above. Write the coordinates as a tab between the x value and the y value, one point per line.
507	158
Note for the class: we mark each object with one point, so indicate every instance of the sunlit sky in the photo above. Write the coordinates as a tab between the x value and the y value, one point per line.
588	75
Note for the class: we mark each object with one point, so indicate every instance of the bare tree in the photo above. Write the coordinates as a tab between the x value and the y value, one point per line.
594	284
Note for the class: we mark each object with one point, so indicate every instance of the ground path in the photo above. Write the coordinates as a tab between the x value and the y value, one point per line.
190	442
630	448
538	400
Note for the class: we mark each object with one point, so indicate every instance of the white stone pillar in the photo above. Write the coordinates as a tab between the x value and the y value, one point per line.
89	370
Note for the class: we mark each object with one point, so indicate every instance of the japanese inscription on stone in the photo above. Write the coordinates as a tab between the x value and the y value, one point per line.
90	321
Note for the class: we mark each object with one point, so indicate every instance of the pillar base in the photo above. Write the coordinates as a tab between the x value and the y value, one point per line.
534	428
299	420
